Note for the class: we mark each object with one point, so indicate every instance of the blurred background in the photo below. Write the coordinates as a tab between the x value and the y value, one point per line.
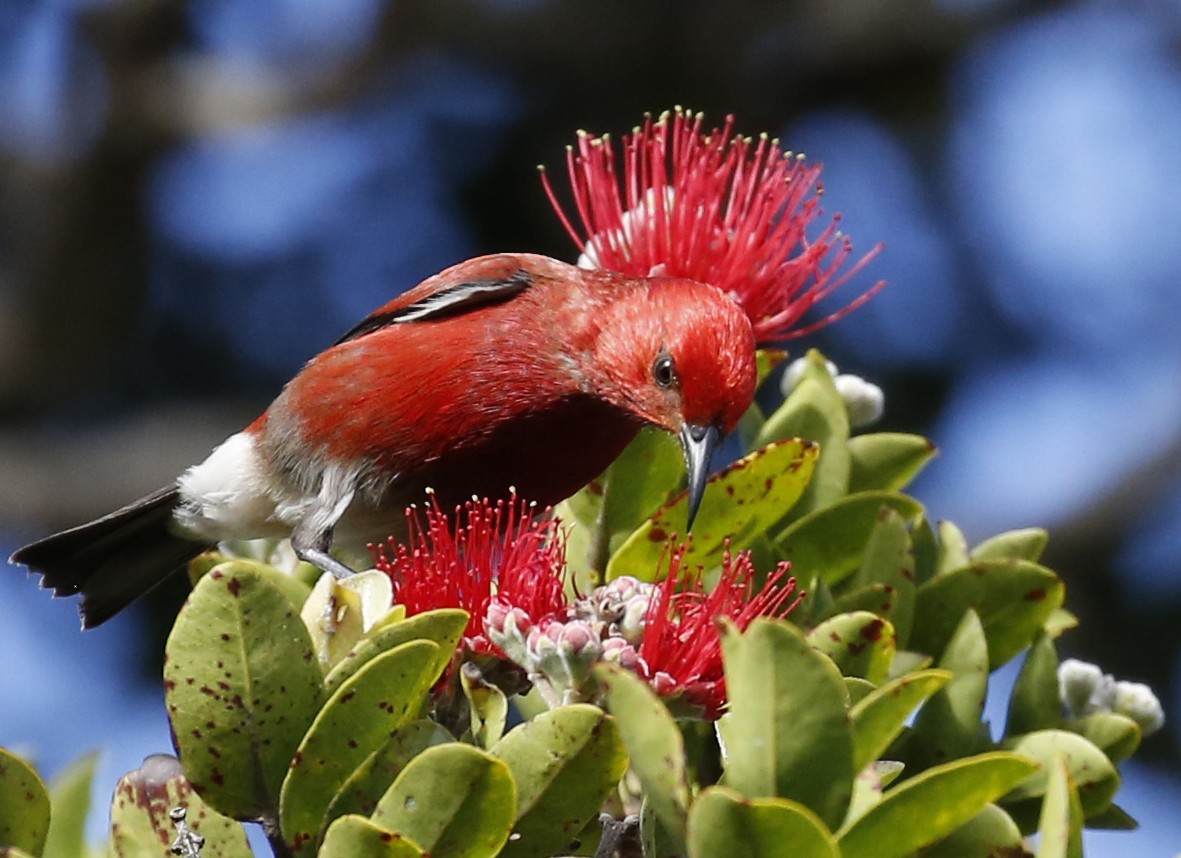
197	196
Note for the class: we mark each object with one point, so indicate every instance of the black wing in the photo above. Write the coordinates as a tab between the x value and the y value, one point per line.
450	301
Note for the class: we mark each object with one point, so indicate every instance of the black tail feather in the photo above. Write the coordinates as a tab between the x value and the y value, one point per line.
113	560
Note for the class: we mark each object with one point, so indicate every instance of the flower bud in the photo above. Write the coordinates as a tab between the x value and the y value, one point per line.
508	627
1077	683
1138	702
864	400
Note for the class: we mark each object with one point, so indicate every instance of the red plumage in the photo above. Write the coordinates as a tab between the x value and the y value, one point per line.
508	370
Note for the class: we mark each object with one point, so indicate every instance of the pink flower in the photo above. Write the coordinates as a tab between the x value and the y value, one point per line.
502	558
681	652
716	207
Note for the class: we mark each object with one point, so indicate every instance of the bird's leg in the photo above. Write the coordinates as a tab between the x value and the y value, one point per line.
312	536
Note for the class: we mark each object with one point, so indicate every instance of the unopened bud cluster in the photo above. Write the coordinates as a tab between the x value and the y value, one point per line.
863	399
1084	689
558	651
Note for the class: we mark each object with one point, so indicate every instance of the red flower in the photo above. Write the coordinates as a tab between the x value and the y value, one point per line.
502	550
718	208
681	653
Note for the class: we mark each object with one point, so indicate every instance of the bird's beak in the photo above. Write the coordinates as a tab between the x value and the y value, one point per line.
699	443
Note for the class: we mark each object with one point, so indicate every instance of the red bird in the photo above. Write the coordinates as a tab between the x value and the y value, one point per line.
507	370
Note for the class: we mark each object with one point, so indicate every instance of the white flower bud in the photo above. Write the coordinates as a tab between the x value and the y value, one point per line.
795	371
1137	701
1077	683
864	400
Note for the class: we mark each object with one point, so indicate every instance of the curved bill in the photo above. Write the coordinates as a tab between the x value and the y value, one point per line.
698	443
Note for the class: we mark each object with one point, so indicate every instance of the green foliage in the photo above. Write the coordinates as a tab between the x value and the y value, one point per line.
24	805
853	727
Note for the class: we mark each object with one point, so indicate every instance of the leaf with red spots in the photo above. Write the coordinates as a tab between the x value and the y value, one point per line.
353	835
355	723
24	805
362	789
859	643
889	562
1014	599
453	800
140	824
740	504
565	763
242	685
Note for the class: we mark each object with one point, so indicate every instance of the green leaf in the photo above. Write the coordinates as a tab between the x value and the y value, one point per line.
565	763
1118	736
241	684
354	836
951	552
1095	776
354	725
1059	621
948	726
887	461
70	793
140	821
452	800
991	833
739	505
24	805
815	411
1034	703
1061	824
1013	598
857	688
787	722
653	742
1114	818
723	822
889	561
1026	544
824	542
487	706
931	805
926	549
362	789
879	717
443	626
869	786
860	644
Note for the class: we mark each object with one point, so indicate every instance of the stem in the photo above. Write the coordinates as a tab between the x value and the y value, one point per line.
279	847
599	551
616	833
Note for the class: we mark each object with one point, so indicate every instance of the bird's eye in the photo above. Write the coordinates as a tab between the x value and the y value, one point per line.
664	372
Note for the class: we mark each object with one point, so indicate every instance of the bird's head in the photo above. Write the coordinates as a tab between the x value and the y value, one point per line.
681	355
